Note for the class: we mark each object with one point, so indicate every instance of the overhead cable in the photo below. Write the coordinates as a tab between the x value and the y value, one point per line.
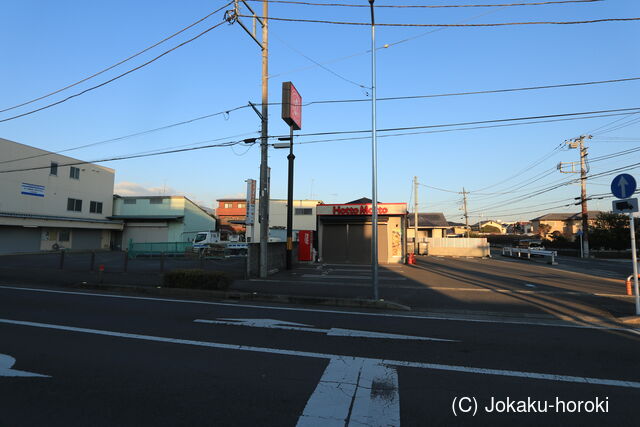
114	78
117	63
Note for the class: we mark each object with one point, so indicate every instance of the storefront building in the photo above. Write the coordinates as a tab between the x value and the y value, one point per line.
345	232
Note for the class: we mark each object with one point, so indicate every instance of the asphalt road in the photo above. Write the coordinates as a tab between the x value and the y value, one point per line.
68	358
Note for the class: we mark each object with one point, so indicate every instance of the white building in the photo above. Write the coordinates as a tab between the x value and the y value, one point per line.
49	201
304	218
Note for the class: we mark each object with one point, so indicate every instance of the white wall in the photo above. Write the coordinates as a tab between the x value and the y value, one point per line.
278	217
94	184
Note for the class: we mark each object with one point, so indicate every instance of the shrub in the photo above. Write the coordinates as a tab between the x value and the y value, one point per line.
197	279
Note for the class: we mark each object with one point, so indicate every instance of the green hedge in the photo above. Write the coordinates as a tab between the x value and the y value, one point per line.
197	279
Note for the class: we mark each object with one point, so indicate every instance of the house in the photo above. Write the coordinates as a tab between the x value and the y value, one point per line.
520	227
457	229
429	225
304	218
153	219
231	214
490	227
49	201
565	224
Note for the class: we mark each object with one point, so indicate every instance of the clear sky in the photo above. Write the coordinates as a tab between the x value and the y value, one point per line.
49	45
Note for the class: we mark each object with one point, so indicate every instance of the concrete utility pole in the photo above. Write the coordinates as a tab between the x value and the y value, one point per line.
233	16
415	215
466	214
264	147
579	143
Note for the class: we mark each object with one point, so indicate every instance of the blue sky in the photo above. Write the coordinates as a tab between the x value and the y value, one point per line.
49	45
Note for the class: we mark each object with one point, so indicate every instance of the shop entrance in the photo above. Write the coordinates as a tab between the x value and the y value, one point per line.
350	243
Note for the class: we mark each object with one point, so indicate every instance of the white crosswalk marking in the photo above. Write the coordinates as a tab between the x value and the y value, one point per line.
354	392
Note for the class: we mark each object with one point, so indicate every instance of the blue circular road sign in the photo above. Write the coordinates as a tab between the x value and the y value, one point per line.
623	186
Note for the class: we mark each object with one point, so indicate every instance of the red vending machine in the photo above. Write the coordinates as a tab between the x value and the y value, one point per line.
305	245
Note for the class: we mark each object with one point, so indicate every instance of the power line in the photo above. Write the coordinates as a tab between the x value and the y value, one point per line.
481	92
304	3
117	63
131	156
495	24
131	135
464	123
332	101
114	78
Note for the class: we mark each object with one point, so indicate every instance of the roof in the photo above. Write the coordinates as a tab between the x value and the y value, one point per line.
434	220
231	199
154	217
360	201
57	218
566	216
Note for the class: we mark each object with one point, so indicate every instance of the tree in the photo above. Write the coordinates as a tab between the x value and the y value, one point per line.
611	231
543	230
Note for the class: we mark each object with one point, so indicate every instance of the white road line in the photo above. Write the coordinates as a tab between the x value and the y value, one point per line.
330	403
6	362
427	316
377	400
354	392
333	332
421	365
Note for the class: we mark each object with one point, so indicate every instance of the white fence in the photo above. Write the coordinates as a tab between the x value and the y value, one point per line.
475	247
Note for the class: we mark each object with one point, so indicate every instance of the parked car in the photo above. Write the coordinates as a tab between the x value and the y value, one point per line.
531	244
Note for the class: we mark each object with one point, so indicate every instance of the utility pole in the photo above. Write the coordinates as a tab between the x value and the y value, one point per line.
466	214
233	16
579	143
415	215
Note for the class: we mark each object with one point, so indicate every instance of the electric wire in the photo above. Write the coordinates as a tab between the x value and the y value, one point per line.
494	24
75	95
304	3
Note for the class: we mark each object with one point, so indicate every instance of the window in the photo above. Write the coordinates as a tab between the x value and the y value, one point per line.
63	235
228	205
95	207
242	205
304	211
200	237
156	201
129	201
54	169
74	173
74	205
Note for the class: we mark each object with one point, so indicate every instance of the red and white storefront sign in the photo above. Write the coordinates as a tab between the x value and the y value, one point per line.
362	209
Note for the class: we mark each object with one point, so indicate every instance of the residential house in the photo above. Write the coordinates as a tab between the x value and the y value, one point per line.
565	224
231	214
152	219
49	201
429	225
489	226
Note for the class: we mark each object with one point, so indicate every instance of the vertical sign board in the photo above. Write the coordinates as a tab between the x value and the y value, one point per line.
251	203
305	245
291	106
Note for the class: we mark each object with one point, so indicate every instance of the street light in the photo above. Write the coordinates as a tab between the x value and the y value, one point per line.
374	161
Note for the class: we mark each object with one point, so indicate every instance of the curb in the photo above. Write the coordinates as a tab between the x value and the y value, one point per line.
247	296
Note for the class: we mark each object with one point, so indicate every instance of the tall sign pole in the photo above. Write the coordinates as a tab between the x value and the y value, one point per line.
623	186
292	115
374	161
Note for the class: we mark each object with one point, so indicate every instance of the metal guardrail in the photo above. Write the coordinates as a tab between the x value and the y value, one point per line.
551	255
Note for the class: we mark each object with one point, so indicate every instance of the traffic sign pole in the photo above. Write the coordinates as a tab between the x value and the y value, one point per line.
635	262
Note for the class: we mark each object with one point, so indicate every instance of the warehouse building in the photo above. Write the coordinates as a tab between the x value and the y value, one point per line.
49	201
